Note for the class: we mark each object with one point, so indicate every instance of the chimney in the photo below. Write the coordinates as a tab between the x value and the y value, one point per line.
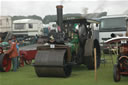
60	16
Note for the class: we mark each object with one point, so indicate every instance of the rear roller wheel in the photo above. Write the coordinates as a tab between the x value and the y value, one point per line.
89	59
90	64
116	73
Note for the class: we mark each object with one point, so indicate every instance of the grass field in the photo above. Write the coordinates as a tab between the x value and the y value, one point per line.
80	76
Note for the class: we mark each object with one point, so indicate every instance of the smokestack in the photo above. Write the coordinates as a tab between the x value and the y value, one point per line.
60	16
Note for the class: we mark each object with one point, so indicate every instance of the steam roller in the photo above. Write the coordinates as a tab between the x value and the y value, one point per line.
53	61
66	47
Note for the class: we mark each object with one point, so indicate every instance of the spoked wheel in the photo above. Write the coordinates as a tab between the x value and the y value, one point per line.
21	61
5	63
28	62
116	73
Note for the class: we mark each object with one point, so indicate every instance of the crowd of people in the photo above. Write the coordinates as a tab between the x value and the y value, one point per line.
13	51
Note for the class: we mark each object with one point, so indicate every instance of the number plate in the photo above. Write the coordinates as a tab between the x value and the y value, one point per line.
123	41
52	46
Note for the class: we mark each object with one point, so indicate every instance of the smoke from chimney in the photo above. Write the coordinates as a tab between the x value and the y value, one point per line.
97	11
85	12
101	6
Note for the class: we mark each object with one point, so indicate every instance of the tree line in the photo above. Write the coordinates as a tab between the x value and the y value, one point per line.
52	18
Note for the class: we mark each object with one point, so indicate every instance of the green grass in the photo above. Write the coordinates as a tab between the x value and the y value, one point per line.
80	76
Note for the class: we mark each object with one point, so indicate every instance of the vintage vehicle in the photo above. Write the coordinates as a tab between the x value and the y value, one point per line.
67	47
121	66
27	27
5	24
27	54
5	61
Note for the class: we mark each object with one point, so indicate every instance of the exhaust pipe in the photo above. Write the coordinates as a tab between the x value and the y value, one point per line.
60	16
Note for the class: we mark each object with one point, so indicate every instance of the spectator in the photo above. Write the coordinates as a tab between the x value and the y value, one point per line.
14	38
36	38
18	57
17	46
13	54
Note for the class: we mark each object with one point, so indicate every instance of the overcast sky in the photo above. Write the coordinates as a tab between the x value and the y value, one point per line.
48	7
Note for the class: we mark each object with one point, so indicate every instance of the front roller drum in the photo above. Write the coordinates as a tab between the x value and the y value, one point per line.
53	71
116	73
52	63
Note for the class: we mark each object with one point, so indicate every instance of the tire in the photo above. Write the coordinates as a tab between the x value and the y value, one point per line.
116	73
90	64
89	59
98	53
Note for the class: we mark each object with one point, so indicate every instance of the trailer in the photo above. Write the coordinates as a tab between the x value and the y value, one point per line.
27	54
5	23
5	26
27	27
111	26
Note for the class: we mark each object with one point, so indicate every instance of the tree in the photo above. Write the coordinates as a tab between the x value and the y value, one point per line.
27	17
